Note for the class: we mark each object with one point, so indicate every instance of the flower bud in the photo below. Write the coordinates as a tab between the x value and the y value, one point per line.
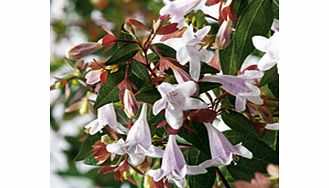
83	49
180	75
223	38
130	103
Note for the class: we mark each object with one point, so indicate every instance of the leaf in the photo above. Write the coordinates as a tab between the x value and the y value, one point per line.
206	86
123	53
140	71
276	9
165	50
195	157
256	19
86	147
168	29
274	87
198	137
90	160
262	156
148	94
270	76
239	122
109	92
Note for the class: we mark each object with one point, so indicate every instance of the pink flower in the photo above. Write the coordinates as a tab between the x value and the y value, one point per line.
82	50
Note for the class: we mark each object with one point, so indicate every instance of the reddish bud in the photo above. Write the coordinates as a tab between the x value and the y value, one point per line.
168	29
180	75
81	50
203	116
211	2
130	103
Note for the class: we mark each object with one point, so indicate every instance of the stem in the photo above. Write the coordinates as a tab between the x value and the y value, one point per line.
221	176
207	15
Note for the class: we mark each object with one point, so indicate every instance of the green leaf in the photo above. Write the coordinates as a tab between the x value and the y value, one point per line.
148	94
262	156
140	71
195	157
276	9
270	76
255	19
86	147
203	86
90	160
198	137
123	53
165	50
274	87
109	92
239	122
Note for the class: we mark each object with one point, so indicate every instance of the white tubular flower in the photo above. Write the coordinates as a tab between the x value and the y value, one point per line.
239	86
174	166
106	116
178	9
189	49
176	99
138	143
221	149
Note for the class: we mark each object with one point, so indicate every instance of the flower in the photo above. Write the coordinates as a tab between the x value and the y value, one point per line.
178	9
174	166
138	143
94	76
189	49
130	103
78	51
272	126
106	116
175	99
221	149
270	47
223	37
240	86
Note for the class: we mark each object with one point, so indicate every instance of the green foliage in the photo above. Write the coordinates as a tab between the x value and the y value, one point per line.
255	19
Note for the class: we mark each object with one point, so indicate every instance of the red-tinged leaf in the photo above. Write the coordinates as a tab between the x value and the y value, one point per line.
139	58
105	27
108	39
215	62
103	77
203	116
168	29
164	64
164	17
106	169
176	34
137	24
211	2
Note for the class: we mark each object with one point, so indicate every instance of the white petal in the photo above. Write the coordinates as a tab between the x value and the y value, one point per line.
154	151
188	35
156	174
174	117
106	114
182	56
205	55
187	88
210	163
242	151
93	76
240	103
159	105
275	25
261	43
175	43
94	126
272	126
165	88
266	62
195	68
193	170
136	159
119	128
192	104
117	148
200	34
181	183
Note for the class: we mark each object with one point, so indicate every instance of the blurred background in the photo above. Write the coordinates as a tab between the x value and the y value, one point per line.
73	22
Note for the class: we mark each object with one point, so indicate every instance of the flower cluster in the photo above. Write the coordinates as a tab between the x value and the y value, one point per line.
160	92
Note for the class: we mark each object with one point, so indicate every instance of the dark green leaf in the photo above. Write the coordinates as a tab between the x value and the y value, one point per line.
270	76
165	50
140	71
203	86
123	53
239	122
109	92
256	19
274	87
90	160
276	9
148	94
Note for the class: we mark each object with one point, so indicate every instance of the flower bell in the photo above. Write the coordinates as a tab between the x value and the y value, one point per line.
174	166
221	149
106	116
176	99
138	143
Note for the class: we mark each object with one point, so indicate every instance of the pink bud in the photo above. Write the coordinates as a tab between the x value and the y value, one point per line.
83	49
130	103
223	38
180	75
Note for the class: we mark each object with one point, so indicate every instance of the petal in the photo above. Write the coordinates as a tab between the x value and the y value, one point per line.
205	55
93	76
94	126
157	175
242	151
175	43
106	114
136	159
275	25
193	170
261	43
119	128
181	183
266	62
182	56
174	117
200	34
153	151
210	163
117	148
165	88
188	35
195	68
158	106
272	126
187	88
240	103
192	104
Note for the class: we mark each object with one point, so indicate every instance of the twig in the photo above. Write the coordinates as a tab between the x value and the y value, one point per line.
221	176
